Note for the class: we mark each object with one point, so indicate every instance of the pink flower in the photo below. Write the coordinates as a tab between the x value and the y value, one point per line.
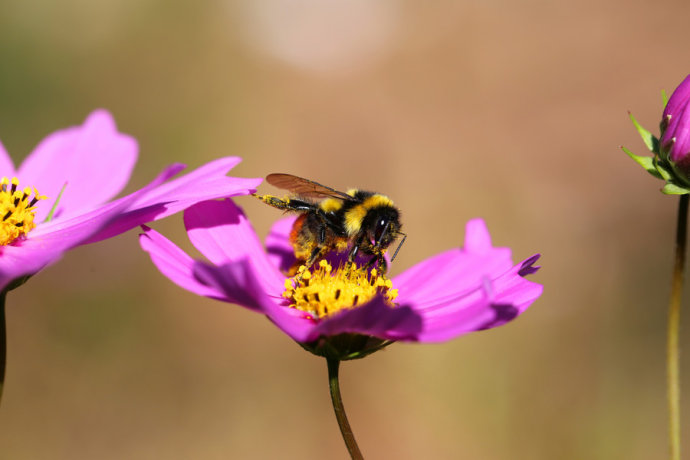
453	293
64	185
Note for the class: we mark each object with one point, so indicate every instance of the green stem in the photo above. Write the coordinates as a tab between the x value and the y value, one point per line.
345	430
672	352
3	341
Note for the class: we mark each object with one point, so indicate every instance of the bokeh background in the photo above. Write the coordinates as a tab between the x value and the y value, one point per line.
512	111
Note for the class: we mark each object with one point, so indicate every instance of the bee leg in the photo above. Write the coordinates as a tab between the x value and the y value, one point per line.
319	249
382	264
274	201
353	254
285	204
315	254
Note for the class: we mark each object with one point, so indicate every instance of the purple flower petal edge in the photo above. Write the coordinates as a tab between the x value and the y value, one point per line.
527	266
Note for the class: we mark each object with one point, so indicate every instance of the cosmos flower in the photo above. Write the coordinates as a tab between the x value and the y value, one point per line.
59	197
453	293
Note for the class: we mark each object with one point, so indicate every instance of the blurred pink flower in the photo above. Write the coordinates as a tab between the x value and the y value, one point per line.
76	171
453	293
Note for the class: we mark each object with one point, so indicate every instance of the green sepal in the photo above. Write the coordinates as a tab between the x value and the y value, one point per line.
661	169
345	346
659	166
664	169
17	282
648	138
647	163
673	189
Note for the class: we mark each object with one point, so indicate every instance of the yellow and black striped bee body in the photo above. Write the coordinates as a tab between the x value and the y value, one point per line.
363	223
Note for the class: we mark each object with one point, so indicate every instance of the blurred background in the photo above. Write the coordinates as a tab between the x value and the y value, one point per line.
510	111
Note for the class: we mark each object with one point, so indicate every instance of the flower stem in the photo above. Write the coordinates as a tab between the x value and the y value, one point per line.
672	352
3	341
334	383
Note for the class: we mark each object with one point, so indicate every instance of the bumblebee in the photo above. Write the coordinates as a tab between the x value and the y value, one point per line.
361	222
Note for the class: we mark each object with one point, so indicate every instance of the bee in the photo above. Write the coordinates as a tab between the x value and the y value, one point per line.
361	222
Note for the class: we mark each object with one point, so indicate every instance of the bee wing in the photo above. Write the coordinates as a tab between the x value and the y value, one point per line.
305	187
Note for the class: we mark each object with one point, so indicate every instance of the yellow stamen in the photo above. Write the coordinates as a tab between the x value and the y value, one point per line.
326	291
17	209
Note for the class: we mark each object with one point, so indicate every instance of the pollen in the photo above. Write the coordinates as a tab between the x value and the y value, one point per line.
326	291
17	209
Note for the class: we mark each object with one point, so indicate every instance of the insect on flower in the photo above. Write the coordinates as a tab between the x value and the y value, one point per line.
331	221
339	313
473	287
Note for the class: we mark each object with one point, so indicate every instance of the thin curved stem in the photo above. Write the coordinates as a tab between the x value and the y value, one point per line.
3	342
672	352
345	430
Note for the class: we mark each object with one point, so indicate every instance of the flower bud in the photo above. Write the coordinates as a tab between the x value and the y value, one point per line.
675	130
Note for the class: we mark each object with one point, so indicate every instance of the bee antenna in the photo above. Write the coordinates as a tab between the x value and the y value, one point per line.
398	248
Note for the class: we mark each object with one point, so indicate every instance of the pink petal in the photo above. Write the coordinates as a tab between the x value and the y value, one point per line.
238	283
204	183
175	264
17	262
455	271
490	305
376	318
94	160
222	233
46	244
477	237
90	226
462	290
242	285
48	241
280	251
209	181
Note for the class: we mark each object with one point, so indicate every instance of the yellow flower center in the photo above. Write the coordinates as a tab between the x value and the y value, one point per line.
326	291
17	210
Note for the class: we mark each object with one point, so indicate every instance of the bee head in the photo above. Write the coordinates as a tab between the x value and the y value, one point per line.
384	227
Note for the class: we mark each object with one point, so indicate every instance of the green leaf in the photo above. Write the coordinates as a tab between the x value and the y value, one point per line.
646	162
673	189
664	97
649	140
